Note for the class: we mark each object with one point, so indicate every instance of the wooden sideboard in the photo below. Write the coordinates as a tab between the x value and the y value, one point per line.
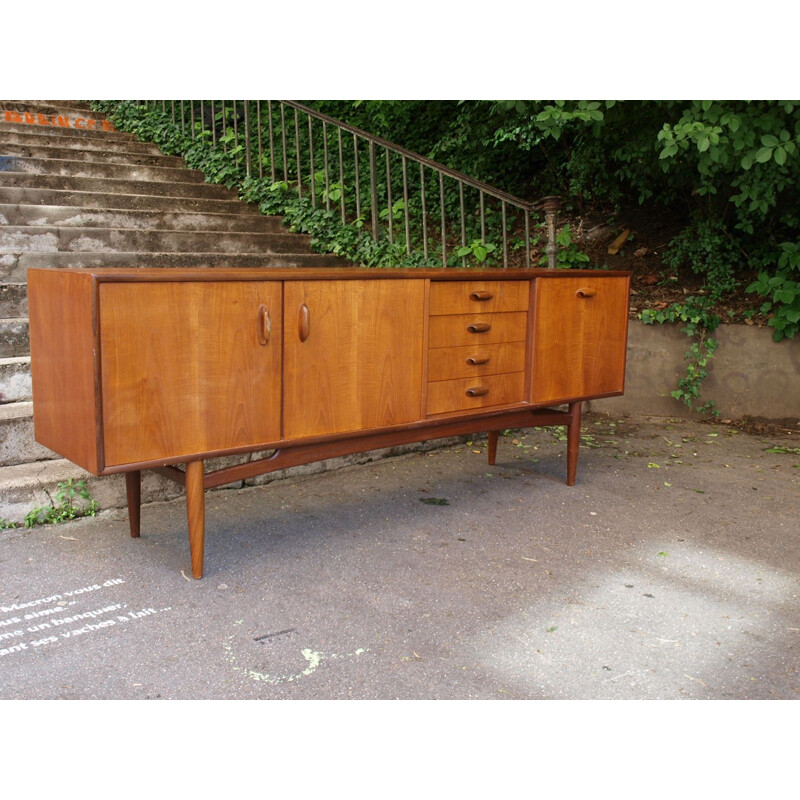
151	368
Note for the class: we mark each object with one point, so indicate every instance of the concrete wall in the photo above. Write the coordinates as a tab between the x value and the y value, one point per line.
750	375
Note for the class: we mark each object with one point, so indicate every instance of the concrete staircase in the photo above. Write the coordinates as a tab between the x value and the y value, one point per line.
75	193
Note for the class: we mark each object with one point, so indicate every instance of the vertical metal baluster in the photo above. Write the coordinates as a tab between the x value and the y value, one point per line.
528	238
341	175
358	184
271	142
424	212
202	117
191	110
213	124
327	174
236	129
183	119
283	139
444	219
163	106
373	189
173	111
260	147
389	196
483	219
505	236
311	163
405	205
297	145
247	155
463	222
224	128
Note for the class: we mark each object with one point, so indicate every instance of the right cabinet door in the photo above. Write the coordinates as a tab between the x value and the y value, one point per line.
580	337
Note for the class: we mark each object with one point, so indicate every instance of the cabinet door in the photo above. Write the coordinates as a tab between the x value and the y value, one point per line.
353	355
189	367
579	338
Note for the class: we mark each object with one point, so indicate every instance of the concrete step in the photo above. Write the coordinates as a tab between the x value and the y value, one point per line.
50	152
13	300
15	268
17	443
116	186
110	217
14	340
47	106
89	126
97	169
82	105
15	379
23	195
30	238
24	487
35	138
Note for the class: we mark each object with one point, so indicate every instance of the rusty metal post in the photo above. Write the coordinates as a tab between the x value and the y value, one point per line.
551	206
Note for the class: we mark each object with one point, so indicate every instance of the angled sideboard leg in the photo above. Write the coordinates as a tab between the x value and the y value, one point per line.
133	490
196	513
573	441
493	435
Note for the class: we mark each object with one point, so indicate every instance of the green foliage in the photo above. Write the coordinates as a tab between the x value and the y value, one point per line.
782	290
477	250
72	500
569	255
699	320
706	248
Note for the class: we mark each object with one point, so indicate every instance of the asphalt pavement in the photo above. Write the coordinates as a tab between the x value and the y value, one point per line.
671	570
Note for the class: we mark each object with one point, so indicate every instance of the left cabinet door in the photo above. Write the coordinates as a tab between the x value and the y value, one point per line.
189	368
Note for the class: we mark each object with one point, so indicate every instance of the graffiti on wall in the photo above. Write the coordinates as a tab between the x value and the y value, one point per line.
57	121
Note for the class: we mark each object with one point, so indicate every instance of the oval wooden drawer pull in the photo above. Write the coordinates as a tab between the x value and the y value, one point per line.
477	391
479	327
474	361
303	322
264	325
481	295
586	292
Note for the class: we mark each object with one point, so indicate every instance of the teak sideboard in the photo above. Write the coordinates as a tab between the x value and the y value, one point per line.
151	368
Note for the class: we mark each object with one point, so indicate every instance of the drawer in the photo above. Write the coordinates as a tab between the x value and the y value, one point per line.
462	297
480	392
448	363
457	330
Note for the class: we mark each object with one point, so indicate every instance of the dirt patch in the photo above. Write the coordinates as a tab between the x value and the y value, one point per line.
755	426
654	284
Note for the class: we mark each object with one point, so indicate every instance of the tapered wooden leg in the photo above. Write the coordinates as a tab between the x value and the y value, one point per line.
493	436
196	513
573	440
133	489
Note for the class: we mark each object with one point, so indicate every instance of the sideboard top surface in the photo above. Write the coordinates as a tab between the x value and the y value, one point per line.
117	274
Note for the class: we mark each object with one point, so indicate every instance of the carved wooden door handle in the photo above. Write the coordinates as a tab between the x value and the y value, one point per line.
474	361
264	325
586	292
303	322
481	295
477	391
479	327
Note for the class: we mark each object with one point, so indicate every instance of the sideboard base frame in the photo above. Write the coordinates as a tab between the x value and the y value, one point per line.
195	480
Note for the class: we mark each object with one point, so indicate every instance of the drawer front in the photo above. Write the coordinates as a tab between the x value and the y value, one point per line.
459	330
463	297
468	393
449	363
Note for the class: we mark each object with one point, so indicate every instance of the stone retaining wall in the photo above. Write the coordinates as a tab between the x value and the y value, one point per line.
749	376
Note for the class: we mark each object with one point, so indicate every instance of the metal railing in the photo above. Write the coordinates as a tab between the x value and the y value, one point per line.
386	190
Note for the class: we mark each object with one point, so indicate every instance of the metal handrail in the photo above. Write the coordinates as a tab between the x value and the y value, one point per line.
233	120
